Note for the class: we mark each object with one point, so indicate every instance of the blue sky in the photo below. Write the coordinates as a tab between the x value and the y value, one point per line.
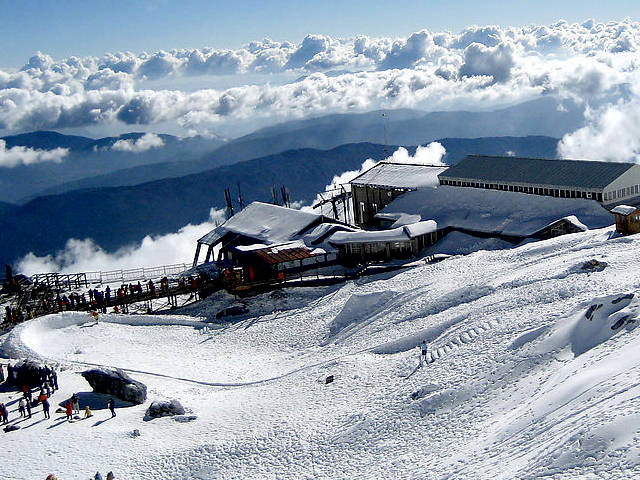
80	28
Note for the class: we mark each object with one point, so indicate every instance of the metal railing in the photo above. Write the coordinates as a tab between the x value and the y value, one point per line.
112	276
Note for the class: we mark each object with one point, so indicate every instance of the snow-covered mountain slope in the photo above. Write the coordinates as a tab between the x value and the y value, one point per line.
535	374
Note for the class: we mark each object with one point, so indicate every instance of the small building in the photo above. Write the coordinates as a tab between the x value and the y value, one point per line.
376	188
384	245
627	219
609	183
262	223
260	263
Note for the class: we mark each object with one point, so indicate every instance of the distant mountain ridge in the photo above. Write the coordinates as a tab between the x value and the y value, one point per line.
88	158
92	161
456	149
117	216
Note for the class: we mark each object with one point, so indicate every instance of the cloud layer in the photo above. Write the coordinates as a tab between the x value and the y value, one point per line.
480	65
85	256
15	156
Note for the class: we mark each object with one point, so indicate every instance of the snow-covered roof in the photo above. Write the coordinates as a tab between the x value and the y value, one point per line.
489	211
420	228
536	171
399	175
624	210
265	222
369	236
399	219
571	219
318	233
399	234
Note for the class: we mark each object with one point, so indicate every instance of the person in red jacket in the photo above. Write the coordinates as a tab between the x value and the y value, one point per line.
69	407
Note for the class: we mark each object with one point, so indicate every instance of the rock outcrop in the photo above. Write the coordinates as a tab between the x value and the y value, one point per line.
159	409
117	383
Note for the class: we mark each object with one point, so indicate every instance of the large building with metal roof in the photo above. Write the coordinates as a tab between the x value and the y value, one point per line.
609	183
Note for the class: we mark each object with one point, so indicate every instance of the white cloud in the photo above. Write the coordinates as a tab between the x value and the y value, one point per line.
142	144
86	256
15	156
484	65
431	154
495	61
612	133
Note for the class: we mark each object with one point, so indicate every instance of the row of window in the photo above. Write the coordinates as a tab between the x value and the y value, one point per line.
551	192
622	192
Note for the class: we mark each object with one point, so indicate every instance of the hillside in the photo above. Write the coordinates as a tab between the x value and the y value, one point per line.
46	140
405	127
535	376
457	148
88	158
93	163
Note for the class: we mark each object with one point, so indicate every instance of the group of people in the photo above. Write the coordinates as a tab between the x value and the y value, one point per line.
48	378
110	476
17	315
44	298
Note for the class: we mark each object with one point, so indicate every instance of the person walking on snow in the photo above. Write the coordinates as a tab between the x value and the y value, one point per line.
69	409
423	352
76	403
4	412
22	405
45	407
111	405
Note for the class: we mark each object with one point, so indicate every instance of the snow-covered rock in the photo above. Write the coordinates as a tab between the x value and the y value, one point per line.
28	372
117	383
160	408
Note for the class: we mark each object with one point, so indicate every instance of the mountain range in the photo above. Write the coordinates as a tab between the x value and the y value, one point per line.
93	163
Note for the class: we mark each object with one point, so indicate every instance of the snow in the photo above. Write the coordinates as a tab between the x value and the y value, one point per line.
399	219
400	175
398	234
531	378
510	213
393	235
458	243
420	228
624	210
265	222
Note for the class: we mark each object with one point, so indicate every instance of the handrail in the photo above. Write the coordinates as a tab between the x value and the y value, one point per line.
111	276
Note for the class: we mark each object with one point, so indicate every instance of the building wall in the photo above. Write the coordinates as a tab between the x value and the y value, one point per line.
534	189
626	186
369	200
371	252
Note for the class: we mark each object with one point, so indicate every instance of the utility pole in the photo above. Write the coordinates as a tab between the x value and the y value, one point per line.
384	132
227	199
241	203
